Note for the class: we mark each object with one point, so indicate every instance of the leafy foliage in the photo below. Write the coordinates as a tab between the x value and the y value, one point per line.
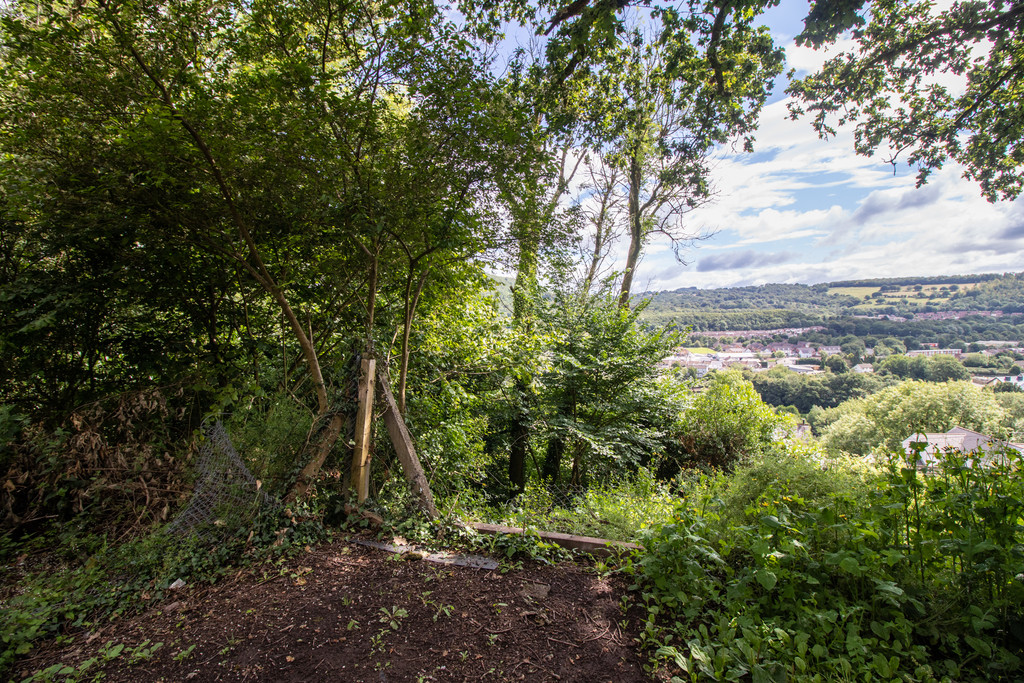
901	48
599	382
884	420
783	387
934	369
833	574
726	423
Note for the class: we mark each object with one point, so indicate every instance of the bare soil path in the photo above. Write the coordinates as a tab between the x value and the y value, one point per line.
345	612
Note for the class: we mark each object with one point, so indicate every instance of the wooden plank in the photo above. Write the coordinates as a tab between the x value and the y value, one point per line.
364	417
598	547
404	448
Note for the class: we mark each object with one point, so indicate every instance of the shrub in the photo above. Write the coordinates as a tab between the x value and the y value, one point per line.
727	422
840	574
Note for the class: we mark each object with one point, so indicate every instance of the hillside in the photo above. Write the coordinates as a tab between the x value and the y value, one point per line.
785	305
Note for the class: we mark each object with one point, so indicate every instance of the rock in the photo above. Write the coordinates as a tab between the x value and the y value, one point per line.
535	591
178	583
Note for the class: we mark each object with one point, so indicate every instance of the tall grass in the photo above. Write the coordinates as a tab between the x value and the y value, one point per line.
617	510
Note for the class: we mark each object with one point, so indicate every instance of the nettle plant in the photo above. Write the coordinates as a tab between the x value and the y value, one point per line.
906	576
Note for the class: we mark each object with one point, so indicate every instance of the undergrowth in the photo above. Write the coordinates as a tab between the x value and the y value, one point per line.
120	579
619	510
790	569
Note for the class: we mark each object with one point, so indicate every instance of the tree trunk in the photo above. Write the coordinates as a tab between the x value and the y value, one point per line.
323	449
412	300
553	460
635	230
605	186
523	298
364	425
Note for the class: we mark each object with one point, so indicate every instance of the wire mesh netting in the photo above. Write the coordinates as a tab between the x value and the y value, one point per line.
226	494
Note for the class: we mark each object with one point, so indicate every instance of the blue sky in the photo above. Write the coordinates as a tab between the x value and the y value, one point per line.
803	210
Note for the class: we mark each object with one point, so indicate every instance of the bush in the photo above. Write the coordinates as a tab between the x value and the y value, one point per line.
726	423
788	570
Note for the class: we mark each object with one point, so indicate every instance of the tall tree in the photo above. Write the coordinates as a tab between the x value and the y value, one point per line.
664	98
312	146
534	201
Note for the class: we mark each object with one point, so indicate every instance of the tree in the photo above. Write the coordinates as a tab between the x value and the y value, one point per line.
890	85
326	153
726	423
660	116
602	406
664	99
533	199
836	363
947	369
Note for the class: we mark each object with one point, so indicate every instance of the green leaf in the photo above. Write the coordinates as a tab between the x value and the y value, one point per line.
766	578
850	565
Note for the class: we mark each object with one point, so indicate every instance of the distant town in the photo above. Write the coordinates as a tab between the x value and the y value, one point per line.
800	356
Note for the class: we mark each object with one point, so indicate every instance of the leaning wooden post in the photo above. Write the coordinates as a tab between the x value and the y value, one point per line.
404	448
364	417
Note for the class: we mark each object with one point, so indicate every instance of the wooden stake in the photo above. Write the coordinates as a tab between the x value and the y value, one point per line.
364	417
404	448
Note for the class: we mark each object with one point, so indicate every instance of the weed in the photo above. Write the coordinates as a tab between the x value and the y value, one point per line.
393	617
142	652
184	654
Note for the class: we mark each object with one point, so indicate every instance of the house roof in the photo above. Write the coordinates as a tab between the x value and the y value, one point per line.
956	439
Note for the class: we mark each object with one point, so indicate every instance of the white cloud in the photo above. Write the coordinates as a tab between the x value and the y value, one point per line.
808	210
943	228
807	60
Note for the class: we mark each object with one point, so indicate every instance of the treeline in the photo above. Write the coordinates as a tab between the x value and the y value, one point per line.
794	305
855	334
746	319
913	333
1001	293
772	296
911	281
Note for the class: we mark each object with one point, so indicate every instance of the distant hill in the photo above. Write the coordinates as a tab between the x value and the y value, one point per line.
778	305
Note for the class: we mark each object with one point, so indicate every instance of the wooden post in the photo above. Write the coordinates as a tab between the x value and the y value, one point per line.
404	448
364	418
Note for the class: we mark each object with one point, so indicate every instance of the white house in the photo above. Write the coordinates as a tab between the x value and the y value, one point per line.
956	353
985	448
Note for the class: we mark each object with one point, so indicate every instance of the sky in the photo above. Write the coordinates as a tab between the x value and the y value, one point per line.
804	210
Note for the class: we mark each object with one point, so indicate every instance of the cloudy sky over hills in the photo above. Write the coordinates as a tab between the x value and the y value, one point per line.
805	210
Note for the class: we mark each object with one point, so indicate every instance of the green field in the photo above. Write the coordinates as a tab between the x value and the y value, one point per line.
928	294
859	292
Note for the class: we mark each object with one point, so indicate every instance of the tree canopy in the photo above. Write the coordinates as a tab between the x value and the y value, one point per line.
934	85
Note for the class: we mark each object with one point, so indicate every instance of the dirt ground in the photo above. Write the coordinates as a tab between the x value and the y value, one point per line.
345	612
